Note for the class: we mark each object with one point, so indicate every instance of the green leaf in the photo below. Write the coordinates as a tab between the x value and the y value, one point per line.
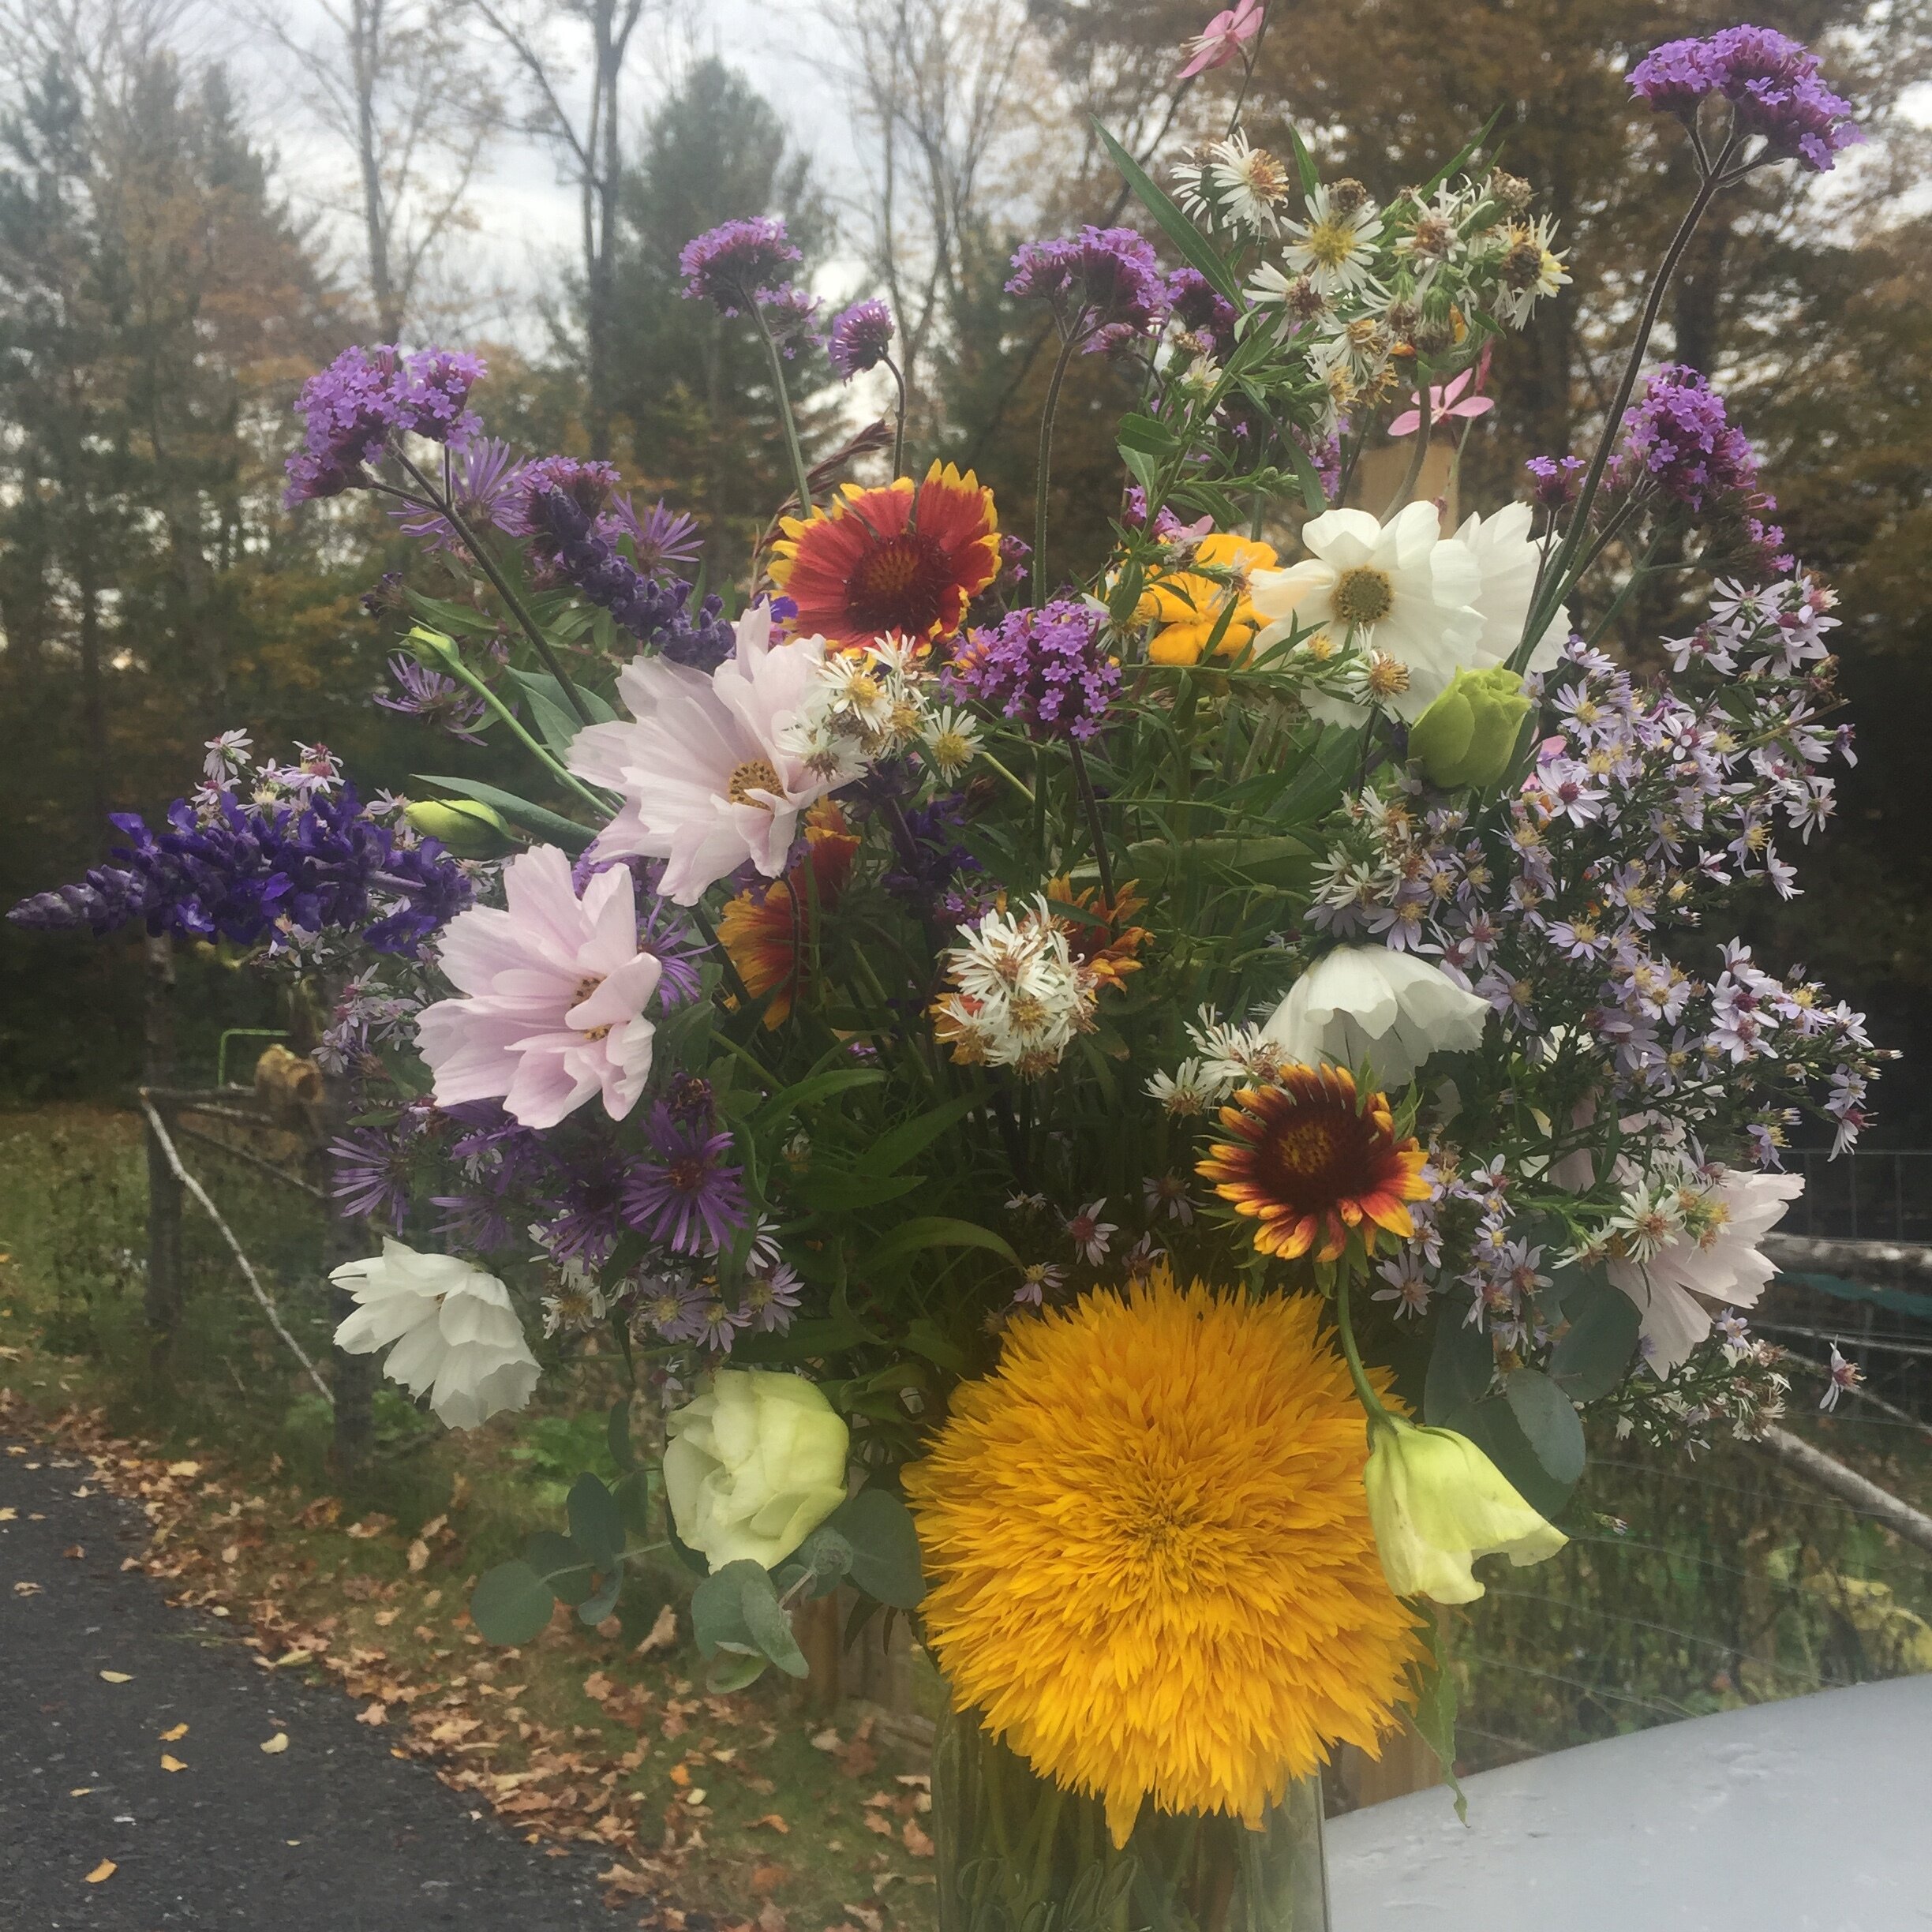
826	1556
1147	435
510	1604
556	724
1195	246
538	819
884	1546
617	1434
892	1150
1435	1710
542	684
770	1628
594	1610
924	1337
1492	1427
810	1091
450	616
1595	1351
1144	470
1314	498
737	1608
935	1231
735	1670
596	1525
1461	1366
1320	778
564	1568
1550	1421
832	1190
1304	162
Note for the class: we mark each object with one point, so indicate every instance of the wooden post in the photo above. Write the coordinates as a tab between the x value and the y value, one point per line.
162	1303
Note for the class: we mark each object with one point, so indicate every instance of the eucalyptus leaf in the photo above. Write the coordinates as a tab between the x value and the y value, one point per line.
1550	1421
884	1546
1462	1367
596	1525
1595	1351
510	1604
564	1567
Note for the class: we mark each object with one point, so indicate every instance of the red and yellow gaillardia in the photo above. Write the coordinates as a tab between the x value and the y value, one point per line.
1151	1567
770	932
1312	1163
896	563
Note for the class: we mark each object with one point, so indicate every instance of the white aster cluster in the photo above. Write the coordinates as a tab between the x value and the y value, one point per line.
1019	995
862	706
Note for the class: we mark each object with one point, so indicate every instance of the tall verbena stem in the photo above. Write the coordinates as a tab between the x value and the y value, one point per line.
801	481
1090	801
899	421
1043	474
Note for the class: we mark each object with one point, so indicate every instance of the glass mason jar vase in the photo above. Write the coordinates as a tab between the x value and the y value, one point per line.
1015	1852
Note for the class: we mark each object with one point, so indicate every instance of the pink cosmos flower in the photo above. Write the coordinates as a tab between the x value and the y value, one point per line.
1223	38
1448	401
556	990
706	765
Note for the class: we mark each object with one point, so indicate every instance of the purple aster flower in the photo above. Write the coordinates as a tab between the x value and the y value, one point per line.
1104	286
731	265
430	694
688	1098
1044	667
1201	309
482	482
858	338
659	536
372	1170
1774	83
675	1309
718	1324
771	1299
590	1218
686	1197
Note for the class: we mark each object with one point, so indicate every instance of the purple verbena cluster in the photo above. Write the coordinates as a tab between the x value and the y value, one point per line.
858	338
351	410
738	264
1201	311
1774	83
1555	481
1045	667
1104	286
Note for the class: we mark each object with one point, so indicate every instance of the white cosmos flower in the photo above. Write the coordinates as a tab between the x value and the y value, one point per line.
1366	1003
554	992
1508	560
1712	1259
708	767
457	1336
1398	588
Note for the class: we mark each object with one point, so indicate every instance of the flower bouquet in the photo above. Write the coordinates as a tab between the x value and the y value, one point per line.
1127	1121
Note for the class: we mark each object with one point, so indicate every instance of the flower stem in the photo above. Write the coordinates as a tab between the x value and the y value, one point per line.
1043	474
445	507
1558	585
800	481
450	659
1254	54
1090	800
1377	1410
899	422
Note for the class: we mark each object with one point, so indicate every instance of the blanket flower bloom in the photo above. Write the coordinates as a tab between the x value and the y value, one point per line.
457	1336
705	765
1438	1502
1151	1567
753	1467
771	936
555	989
1311	1165
899	563
1370	1006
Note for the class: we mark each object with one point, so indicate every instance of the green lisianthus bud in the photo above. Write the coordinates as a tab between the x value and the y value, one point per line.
469	829
1437	1502
1468	736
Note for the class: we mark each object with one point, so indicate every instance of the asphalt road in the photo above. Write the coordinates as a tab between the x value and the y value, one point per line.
331	1835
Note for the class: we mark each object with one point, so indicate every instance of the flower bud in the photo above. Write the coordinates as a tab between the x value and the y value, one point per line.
1468	736
754	1465
1437	1502
469	829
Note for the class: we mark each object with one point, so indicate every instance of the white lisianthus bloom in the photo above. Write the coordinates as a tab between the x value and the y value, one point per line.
1437	1502
555	991
1398	589
710	768
754	1465
1368	1003
1508	561
1711	1259
457	1336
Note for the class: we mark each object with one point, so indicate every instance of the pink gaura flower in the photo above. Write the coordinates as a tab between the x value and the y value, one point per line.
555	991
1223	38
706	765
1449	400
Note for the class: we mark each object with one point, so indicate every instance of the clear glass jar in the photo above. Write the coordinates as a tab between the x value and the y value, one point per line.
1014	1853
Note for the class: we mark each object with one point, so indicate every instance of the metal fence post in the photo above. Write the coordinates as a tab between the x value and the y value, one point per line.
163	1301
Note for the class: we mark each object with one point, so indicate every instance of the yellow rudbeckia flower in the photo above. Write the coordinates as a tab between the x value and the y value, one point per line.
1188	606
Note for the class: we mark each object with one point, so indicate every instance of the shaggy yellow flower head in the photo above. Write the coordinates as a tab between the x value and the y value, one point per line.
1152	1570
